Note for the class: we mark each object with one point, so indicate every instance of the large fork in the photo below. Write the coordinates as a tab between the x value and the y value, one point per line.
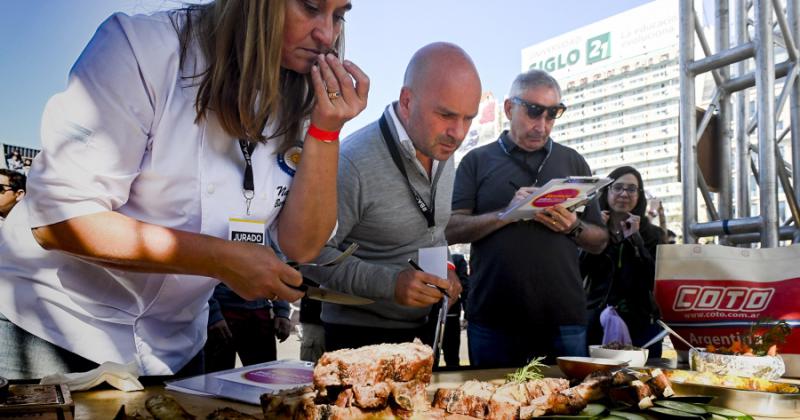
347	252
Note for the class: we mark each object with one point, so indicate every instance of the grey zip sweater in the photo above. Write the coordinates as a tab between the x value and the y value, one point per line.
378	211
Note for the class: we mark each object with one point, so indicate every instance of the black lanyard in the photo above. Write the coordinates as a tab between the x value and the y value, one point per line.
248	186
427	211
523	165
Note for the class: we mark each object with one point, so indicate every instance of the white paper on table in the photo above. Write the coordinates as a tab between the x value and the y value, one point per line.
434	260
285	375
189	391
248	383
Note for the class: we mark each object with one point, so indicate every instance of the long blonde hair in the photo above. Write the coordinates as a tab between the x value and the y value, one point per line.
244	84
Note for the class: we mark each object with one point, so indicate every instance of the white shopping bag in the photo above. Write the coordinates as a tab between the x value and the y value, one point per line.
711	294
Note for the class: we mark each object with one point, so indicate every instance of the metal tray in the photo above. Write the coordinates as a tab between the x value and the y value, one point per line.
755	403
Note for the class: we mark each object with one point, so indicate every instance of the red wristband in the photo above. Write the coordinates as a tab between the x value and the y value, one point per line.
451	266
322	135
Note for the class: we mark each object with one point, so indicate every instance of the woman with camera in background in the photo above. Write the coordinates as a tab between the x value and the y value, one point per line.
623	275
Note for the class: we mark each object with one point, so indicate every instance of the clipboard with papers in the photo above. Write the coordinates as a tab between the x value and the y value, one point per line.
571	192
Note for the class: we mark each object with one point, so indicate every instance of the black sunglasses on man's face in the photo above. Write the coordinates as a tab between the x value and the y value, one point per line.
535	110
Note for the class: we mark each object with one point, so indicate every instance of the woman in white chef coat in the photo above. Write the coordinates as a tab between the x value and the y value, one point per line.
142	197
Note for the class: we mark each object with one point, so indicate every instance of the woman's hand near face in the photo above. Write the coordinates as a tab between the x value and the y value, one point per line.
331	77
309	214
340	91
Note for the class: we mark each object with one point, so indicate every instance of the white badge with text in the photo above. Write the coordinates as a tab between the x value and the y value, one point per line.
247	230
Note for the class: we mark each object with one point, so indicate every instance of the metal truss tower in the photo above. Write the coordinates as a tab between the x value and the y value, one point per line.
761	28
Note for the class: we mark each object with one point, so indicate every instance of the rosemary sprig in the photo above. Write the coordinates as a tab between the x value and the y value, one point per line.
529	372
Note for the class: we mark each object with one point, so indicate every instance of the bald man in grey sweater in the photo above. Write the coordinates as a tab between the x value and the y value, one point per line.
392	211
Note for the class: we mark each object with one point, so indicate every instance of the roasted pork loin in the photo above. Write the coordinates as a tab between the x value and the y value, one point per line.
375	382
371	365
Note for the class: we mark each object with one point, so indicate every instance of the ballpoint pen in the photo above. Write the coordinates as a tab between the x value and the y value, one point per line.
416	266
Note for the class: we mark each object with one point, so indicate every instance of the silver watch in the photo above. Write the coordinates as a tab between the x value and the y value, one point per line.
576	231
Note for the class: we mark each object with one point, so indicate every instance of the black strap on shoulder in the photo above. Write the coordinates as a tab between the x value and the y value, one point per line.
247	151
248	186
427	211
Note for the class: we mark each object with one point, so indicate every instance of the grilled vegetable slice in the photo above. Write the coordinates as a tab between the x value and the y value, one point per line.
627	416
726	412
593	410
673	414
682	406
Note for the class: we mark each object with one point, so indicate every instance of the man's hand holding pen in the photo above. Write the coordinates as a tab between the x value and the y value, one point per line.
521	193
417	288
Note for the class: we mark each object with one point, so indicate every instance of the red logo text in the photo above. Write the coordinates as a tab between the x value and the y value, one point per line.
733	299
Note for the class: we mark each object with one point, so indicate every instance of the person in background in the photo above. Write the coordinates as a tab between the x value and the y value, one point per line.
395	183
168	162
623	275
12	184
26	165
313	333
525	272
248	328
672	238
14	162
655	210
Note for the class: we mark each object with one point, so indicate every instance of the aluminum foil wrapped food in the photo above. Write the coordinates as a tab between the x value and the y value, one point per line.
766	367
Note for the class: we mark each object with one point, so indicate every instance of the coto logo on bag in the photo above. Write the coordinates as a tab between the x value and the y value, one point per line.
714	298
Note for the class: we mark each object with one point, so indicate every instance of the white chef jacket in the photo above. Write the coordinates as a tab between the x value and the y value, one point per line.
122	137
